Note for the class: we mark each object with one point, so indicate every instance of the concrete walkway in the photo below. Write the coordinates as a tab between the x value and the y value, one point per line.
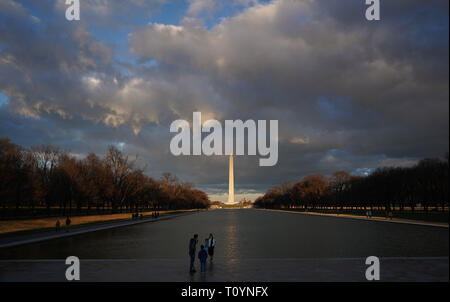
10	241
380	219
392	269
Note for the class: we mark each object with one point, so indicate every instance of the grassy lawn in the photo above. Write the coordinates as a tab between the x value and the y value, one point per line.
15	227
232	206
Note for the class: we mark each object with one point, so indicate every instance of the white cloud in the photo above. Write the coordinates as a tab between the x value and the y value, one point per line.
92	82
197	7
300	140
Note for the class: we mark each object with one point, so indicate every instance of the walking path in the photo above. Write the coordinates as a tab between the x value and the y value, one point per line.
381	219
406	269
10	241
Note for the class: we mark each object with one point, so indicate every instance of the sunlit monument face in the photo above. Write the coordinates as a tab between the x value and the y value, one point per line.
231	181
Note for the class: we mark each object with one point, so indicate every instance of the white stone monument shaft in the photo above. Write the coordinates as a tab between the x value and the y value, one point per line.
231	181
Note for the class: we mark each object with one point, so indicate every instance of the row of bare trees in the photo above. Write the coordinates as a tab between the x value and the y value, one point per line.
49	178
425	184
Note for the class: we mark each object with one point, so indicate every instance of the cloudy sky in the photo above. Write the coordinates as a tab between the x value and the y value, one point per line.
349	94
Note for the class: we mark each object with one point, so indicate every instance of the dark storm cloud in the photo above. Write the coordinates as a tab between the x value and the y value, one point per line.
349	94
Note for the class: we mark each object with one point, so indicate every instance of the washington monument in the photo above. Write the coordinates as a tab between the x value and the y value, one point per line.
231	181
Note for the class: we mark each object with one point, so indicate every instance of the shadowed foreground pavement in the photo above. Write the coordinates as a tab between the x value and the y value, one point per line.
221	270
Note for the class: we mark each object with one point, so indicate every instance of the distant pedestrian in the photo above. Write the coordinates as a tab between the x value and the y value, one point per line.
370	213
68	221
211	245
192	247
390	215
58	225
202	255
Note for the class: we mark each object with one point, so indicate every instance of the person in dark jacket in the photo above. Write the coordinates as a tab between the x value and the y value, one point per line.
68	221
202	255
192	247
211	245
58	225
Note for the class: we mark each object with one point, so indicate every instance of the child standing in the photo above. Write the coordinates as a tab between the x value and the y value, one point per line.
202	255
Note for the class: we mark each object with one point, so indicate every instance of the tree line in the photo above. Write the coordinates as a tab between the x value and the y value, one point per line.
49	177
388	188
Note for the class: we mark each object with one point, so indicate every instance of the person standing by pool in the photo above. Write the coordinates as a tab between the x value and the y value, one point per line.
192	247
58	225
211	245
68	221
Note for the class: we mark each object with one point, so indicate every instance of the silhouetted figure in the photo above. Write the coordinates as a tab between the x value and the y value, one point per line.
58	225
211	245
390	215
202	255
370	213
68	221
192	247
